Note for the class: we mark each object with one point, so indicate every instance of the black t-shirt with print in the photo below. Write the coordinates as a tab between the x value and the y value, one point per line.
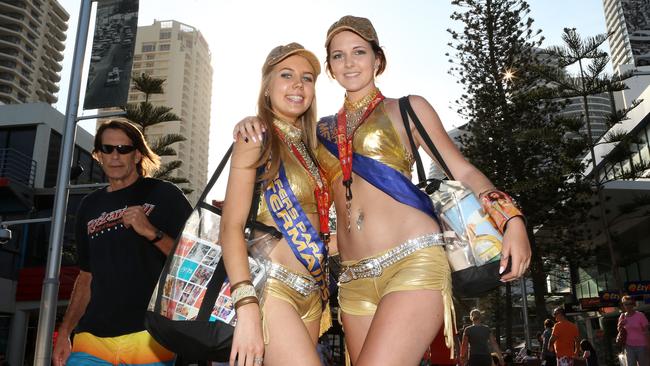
124	265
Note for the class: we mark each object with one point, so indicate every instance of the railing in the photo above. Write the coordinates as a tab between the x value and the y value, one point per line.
17	166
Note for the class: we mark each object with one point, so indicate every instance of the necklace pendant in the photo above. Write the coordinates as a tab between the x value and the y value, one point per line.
360	220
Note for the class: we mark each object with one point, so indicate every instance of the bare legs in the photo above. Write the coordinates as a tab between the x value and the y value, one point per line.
400	331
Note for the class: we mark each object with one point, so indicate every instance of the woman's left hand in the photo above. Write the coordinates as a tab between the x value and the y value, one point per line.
516	249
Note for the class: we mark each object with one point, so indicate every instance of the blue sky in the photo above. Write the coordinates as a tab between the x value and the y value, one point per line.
413	33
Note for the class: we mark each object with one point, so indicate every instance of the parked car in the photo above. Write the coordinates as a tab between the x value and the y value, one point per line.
113	77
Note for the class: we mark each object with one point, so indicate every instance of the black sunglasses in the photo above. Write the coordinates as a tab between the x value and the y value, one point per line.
121	149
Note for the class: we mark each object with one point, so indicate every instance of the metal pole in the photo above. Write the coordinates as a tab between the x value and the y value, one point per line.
524	308
47	315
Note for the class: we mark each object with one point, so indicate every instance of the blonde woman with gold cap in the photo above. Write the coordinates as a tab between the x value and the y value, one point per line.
395	286
295	199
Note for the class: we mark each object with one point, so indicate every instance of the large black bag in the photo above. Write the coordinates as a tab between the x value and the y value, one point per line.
191	312
474	271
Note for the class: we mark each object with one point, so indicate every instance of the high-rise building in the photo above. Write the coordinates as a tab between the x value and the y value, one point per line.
31	50
179	54
628	21
600	107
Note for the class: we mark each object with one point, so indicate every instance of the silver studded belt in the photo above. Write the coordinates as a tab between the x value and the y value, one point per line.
302	284
374	267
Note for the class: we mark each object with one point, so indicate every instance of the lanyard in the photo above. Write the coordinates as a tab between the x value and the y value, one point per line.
321	191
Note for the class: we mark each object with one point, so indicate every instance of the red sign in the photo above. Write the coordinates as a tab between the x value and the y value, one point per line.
590	303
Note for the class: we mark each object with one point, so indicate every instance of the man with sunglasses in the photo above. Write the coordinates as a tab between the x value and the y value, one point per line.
123	234
637	338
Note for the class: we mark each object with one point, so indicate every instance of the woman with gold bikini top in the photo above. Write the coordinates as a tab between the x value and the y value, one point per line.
295	200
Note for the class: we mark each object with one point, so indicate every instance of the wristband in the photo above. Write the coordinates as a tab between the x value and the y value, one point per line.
500	207
242	292
246	300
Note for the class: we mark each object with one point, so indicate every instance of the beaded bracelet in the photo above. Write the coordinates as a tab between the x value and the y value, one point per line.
500	207
243	292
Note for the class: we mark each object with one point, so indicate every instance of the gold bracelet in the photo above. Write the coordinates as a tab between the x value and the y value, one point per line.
239	284
246	300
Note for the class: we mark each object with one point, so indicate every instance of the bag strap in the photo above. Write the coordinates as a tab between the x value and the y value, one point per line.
414	149
405	106
215	175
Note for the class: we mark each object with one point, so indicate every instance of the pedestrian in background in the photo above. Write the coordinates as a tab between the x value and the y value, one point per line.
547	354
588	353
637	340
476	343
564	339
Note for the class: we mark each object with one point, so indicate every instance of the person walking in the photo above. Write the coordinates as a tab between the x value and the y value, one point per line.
547	354
124	233
637	340
476	343
564	339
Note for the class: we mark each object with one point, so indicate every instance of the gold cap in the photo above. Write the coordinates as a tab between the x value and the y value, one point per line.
361	26
280	53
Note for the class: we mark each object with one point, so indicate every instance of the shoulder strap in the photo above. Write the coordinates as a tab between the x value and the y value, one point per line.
414	150
406	105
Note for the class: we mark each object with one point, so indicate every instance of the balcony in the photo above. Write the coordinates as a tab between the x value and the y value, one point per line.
17	174
17	167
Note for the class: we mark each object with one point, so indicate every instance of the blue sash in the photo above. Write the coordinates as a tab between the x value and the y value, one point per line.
291	220
383	177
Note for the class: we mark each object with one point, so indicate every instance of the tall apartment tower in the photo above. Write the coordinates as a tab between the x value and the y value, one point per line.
32	33
628	22
179	54
619	43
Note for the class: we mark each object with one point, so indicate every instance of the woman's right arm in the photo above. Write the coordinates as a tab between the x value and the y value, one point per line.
248	341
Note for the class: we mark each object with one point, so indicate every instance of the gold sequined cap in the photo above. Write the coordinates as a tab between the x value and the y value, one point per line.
358	25
279	53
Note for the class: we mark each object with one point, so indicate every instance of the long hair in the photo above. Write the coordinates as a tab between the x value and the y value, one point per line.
150	160
271	144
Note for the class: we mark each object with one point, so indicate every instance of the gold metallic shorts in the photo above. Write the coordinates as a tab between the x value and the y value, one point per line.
283	287
425	268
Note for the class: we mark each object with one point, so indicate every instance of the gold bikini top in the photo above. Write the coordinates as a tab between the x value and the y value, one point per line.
376	138
299	179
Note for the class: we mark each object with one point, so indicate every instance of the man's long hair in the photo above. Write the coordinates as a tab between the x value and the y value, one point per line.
150	161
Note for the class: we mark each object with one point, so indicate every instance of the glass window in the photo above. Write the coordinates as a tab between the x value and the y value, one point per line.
148	47
52	166
86	161
165	35
22	139
644	267
164	47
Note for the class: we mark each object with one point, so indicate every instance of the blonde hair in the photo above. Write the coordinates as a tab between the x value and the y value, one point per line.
475	314
271	144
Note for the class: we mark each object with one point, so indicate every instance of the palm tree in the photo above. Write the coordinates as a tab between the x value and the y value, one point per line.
592	80
145	115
